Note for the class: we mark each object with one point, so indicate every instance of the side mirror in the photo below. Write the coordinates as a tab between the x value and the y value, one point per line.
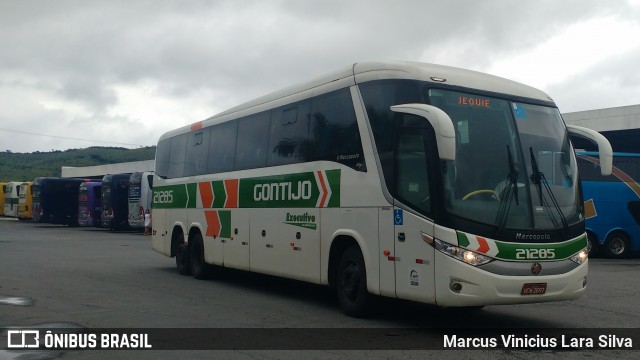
604	147
441	123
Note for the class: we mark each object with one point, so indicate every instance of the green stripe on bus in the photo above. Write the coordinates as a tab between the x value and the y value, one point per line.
548	251
293	190
334	184
301	190
219	195
225	223
462	240
170	197
192	191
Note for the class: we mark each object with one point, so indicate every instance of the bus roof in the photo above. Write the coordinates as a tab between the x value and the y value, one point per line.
39	180
91	184
110	177
368	71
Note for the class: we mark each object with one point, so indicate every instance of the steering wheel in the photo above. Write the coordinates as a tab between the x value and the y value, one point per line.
482	191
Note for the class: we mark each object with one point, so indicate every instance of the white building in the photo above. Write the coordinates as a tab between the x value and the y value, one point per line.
621	125
101	170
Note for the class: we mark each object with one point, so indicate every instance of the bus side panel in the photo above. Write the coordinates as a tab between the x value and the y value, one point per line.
285	243
236	246
161	234
11	200
2	185
387	239
266	248
135	221
610	201
25	202
414	258
299	230
146	196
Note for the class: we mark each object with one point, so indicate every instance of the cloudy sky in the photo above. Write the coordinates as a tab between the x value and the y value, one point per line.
81	73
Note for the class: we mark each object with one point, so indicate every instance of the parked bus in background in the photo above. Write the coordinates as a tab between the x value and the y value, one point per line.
2	188
55	200
140	195
612	204
25	201
11	198
90	204
416	181
115	195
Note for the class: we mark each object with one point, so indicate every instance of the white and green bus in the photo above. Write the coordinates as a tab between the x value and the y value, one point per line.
408	180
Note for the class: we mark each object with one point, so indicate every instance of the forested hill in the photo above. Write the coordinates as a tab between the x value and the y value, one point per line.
27	166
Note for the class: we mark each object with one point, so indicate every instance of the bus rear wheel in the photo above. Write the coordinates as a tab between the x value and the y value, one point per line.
616	246
182	257
351	283
199	268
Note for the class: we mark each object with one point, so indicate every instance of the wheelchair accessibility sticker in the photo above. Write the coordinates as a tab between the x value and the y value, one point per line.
398	217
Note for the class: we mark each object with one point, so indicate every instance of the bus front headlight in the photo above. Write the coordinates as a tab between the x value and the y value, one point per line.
464	255
581	256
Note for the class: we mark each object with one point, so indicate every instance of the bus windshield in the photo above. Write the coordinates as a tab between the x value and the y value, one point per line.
514	164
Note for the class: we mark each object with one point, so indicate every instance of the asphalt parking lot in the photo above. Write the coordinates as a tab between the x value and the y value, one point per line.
92	278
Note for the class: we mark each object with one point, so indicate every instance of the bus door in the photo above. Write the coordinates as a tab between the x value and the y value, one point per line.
413	255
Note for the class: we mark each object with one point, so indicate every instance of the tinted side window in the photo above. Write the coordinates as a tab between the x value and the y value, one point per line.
222	147
378	97
334	130
178	156
162	157
412	180
253	142
289	134
197	148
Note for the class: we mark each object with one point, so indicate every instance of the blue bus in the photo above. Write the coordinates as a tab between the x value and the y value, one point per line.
612	204
115	201
55	200
90	204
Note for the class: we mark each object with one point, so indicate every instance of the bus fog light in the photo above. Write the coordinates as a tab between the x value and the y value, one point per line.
455	286
581	256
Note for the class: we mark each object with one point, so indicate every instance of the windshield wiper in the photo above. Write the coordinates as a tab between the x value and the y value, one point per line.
511	191
538	178
513	175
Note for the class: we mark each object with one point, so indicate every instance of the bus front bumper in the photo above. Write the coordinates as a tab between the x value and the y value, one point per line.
459	284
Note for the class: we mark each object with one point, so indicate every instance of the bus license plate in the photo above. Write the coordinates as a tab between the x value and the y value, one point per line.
533	289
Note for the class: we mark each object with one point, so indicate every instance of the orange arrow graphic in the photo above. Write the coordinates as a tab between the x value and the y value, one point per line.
213	223
484	246
206	194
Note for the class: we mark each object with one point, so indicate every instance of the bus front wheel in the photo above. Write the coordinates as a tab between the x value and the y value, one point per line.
351	283
616	246
593	245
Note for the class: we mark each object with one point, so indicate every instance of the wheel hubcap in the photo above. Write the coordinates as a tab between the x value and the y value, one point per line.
617	246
